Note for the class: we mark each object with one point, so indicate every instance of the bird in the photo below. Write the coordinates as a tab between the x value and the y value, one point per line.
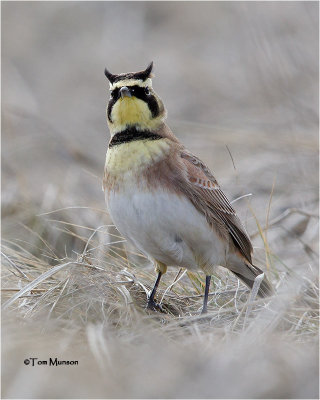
162	198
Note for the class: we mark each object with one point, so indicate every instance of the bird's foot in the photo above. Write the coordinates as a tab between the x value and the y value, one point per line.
152	305
204	311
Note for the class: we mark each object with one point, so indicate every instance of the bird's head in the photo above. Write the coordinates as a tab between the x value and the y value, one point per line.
133	102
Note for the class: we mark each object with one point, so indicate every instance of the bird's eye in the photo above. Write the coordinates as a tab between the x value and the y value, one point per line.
147	91
115	93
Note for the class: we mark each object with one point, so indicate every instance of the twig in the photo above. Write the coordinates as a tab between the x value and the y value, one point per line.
241	197
58	298
89	240
253	295
176	279
17	290
268	259
231	291
284	215
231	157
70	208
15	266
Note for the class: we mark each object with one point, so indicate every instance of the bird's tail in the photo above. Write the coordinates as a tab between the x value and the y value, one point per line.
248	274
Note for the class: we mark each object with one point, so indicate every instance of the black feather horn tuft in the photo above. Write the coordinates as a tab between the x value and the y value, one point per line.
110	76
144	74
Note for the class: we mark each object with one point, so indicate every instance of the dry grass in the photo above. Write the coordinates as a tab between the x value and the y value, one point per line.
90	306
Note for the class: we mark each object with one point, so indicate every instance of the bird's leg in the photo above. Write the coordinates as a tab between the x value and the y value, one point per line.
161	269
151	303
206	292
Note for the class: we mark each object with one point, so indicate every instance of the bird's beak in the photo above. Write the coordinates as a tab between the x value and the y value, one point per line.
125	92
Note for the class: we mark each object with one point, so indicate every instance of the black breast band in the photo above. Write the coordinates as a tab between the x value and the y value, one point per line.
132	134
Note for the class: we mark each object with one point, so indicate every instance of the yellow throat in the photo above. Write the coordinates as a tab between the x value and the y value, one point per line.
132	111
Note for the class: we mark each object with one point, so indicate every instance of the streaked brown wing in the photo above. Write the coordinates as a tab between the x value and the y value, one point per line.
210	200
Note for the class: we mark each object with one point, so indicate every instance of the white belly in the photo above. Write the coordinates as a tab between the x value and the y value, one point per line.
167	228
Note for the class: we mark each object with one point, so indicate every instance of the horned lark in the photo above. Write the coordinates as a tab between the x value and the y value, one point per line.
164	199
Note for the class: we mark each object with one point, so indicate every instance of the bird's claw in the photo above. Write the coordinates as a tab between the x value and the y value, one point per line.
152	305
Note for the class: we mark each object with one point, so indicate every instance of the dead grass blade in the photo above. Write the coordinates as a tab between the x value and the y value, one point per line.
35	282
